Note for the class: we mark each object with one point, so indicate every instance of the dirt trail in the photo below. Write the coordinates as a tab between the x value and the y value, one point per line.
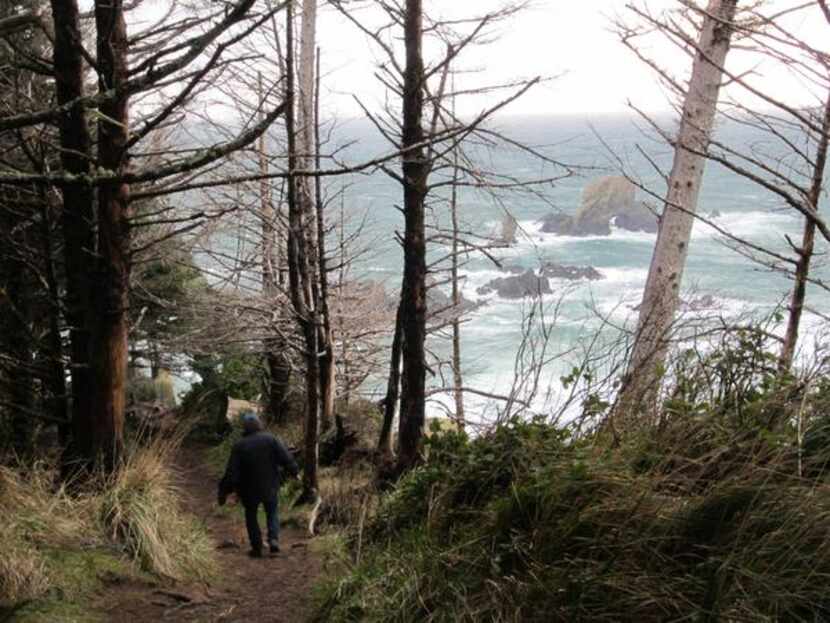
272	589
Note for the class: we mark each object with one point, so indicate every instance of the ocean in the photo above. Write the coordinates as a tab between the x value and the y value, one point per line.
591	147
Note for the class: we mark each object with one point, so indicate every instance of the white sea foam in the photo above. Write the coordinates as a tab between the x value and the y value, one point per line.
745	224
531	235
749	225
616	277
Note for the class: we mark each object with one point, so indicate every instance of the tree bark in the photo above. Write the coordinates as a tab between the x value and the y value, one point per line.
326	335
299	280
458	380
413	289
662	292
77	222
805	252
279	367
110	352
390	402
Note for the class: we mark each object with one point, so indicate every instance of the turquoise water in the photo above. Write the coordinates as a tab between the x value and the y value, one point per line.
592	148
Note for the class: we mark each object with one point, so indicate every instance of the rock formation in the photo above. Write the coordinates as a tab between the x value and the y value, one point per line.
518	286
553	270
603	200
440	301
509	225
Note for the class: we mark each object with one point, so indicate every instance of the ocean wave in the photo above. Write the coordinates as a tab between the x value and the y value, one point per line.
746	224
620	276
531	234
751	224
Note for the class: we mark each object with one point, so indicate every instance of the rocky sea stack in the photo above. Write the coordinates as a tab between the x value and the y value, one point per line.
603	200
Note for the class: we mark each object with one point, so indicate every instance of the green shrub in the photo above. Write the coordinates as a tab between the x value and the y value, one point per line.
524	524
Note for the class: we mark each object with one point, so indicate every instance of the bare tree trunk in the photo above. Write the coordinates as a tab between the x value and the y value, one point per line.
413	289
279	368
457	379
327	364
805	252
110	353
344	345
390	402
299	279
77	222
662	292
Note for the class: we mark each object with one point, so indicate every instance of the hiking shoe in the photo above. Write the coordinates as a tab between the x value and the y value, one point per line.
255	553
274	546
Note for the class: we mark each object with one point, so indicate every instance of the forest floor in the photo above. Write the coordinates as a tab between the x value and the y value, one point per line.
274	589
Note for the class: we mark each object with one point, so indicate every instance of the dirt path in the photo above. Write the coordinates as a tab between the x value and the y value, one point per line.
272	589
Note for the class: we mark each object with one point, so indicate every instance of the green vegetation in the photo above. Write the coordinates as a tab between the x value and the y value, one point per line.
718	514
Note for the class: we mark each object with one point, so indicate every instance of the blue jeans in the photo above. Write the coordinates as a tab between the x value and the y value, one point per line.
272	518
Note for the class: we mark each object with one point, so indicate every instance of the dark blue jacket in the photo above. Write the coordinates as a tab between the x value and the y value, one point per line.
253	469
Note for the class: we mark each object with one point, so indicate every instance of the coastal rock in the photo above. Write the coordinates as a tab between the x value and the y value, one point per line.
552	270
556	223
440	302
509	225
639	218
603	200
519	286
514	270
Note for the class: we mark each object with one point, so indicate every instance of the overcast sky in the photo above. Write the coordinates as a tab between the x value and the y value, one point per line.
575	40
570	39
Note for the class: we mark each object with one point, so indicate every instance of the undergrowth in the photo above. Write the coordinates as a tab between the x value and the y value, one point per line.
720	512
139	508
58	544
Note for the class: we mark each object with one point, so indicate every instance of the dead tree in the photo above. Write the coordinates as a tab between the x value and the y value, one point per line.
276	346
805	251
328	367
425	129
300	277
662	292
415	171
789	164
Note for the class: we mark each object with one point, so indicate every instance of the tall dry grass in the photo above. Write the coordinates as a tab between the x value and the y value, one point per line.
135	512
35	516
140	507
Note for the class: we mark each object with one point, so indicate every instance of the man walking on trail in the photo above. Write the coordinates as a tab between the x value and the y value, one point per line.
253	472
